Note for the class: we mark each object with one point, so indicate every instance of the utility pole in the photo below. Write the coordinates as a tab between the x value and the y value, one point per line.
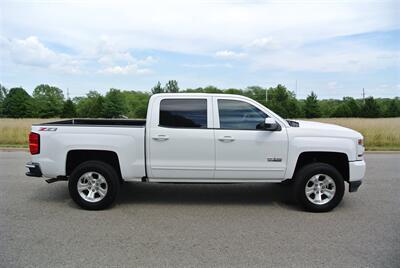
296	89
363	95
67	93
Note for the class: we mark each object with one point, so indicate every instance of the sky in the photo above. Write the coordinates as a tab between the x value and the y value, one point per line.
334	48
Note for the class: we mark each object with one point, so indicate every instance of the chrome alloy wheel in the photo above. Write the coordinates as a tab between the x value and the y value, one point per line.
320	189
92	187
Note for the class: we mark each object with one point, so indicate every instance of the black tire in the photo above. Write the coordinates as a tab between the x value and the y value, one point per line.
307	172
105	170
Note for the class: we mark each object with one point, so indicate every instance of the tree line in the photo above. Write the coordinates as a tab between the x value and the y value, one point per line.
49	101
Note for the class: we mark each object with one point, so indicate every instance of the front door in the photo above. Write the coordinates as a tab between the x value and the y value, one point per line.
243	150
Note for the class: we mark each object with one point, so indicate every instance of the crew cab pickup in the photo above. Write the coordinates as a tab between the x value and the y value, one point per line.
199	138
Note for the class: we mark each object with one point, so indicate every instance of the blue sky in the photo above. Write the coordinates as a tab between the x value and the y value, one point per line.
334	48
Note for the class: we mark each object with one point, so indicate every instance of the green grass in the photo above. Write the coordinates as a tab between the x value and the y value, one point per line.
381	134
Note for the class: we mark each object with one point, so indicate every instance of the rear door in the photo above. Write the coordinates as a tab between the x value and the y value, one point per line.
181	139
243	151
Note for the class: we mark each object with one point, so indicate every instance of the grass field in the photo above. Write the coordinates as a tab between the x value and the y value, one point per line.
379	133
14	132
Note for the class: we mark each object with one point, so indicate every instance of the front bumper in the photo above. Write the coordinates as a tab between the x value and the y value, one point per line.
353	186
357	170
34	170
357	173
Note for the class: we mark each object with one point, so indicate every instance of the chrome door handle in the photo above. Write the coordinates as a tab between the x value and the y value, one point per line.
226	139
161	137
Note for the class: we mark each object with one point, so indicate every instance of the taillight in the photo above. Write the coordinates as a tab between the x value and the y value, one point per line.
34	143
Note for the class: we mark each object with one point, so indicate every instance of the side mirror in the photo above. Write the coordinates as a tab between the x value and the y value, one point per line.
270	124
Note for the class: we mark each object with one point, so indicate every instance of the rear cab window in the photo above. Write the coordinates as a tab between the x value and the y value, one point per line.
183	113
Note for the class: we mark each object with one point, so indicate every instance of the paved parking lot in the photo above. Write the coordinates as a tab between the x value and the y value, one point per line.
198	225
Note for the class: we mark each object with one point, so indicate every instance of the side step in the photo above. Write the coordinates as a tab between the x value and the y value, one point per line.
59	178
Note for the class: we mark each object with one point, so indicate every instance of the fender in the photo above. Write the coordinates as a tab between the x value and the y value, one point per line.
317	144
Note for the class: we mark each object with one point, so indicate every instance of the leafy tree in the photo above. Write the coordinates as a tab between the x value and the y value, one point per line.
283	102
211	89
91	106
136	103
393	109
342	110
17	103
157	88
69	110
194	90
328	107
49	101
257	93
352	106
370	108
311	107
171	86
3	94
233	91
114	104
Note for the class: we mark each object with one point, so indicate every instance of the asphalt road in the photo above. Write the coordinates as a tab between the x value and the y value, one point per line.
198	225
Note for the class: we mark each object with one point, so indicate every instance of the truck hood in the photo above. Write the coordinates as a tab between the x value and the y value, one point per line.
330	128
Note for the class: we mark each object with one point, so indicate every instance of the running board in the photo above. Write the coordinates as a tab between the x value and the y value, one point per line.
59	178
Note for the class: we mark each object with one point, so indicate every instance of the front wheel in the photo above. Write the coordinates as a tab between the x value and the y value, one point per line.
319	187
94	185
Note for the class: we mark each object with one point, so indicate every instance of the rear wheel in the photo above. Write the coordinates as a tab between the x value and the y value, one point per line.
94	185
319	187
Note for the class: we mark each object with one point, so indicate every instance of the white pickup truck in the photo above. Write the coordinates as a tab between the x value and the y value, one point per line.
199	138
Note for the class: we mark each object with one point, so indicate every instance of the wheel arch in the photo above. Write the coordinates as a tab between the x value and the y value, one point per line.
76	157
337	159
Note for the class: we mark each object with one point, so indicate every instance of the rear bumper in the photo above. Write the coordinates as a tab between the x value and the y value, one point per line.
34	170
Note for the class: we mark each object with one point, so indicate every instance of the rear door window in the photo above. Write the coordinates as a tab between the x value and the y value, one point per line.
183	113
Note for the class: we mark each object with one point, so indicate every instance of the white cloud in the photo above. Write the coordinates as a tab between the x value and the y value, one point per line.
182	26
107	52
229	55
31	52
208	65
128	69
113	36
332	85
119	61
336	60
149	60
263	43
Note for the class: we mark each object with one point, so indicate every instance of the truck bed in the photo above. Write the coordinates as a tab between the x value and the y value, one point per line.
59	139
97	122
